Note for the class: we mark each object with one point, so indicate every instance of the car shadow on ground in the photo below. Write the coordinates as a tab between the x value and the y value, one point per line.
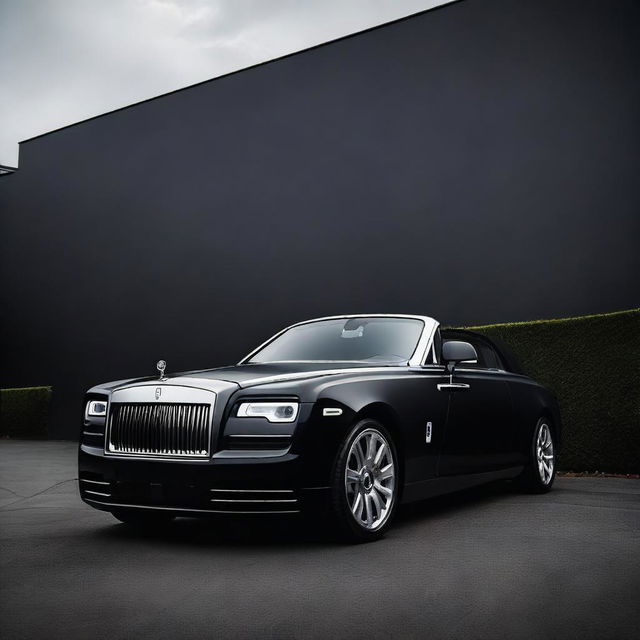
291	531
471	498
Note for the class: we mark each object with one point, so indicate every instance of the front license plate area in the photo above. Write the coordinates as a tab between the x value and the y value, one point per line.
149	493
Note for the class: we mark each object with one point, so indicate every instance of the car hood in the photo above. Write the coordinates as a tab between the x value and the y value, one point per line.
249	375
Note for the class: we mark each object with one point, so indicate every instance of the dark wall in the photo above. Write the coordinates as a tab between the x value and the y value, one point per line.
475	163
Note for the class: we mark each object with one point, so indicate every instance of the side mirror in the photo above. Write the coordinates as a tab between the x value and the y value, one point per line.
455	351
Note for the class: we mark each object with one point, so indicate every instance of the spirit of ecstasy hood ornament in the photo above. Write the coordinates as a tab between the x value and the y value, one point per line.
161	366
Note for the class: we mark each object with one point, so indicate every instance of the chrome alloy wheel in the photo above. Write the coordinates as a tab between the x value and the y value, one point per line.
369	479
544	454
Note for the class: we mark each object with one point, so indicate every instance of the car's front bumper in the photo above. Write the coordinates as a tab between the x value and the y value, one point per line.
242	485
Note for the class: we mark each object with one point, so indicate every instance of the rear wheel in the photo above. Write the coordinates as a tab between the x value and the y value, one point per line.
142	519
540	471
365	483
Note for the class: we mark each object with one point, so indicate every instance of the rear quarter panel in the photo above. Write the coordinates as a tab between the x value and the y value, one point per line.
531	401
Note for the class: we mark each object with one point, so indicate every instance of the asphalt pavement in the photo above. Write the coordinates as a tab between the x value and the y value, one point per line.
486	563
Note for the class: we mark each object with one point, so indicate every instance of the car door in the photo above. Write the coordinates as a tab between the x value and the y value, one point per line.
479	427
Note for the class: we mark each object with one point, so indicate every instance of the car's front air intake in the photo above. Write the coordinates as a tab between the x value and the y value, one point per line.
159	429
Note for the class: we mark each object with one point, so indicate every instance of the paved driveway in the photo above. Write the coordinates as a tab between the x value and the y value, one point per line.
488	563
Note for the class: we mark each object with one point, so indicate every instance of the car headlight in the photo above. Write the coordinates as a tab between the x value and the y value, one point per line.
272	411
97	408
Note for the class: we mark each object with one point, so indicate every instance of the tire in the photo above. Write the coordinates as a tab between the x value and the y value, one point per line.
142	519
365	483
540	470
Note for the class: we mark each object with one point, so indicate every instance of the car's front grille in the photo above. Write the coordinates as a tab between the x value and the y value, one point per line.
159	429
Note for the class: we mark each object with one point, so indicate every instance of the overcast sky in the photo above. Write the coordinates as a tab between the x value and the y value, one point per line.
65	60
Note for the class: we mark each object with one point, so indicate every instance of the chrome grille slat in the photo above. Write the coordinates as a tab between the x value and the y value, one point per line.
172	445
139	425
135	426
159	429
172	430
181	418
191	423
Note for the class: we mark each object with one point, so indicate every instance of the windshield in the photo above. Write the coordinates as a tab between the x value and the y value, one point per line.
390	340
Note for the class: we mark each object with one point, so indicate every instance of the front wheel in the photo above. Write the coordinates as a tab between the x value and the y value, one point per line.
365	482
540	471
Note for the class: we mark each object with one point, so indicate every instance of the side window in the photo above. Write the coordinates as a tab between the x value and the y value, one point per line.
491	358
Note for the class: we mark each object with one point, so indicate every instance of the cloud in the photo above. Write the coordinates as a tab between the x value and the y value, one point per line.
65	60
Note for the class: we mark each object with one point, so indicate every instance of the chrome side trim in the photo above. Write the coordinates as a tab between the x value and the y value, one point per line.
290	491
235	501
92	433
266	513
258	435
424	343
250	453
452	386
254	496
97	493
184	510
331	411
95	481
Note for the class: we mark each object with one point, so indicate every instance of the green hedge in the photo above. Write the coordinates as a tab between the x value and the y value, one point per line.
24	412
592	363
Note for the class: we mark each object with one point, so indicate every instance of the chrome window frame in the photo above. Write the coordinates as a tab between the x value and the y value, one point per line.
429	326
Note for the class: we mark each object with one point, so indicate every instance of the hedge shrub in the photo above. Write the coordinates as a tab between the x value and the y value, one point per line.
592	363
24	412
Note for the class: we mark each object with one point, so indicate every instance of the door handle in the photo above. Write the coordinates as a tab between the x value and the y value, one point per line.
453	386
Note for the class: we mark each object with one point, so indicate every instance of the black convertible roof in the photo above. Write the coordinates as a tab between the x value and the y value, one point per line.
506	355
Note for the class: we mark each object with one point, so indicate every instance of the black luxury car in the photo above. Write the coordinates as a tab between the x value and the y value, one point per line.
342	417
